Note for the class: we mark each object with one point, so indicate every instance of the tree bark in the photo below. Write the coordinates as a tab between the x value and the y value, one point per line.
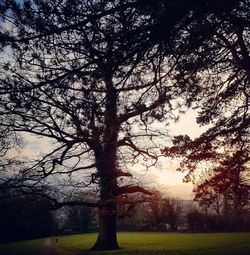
107	239
107	167
106	164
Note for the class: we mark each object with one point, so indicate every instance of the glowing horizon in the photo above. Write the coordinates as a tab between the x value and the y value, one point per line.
163	176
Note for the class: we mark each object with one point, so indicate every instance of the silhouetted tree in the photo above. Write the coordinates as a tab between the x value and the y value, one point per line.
229	183
221	66
161	209
173	213
82	74
225	75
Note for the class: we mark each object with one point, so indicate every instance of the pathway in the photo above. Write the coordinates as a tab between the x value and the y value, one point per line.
49	249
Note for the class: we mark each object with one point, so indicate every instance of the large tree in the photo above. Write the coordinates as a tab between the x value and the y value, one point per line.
94	77
90	77
222	152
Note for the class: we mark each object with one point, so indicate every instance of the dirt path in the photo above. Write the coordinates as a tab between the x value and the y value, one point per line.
49	249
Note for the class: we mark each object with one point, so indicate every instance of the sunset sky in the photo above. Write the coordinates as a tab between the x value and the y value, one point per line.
164	176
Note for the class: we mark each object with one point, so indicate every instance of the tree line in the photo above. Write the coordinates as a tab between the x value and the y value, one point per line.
24	218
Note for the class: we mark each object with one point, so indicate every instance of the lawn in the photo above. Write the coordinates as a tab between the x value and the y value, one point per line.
163	243
30	247
144	243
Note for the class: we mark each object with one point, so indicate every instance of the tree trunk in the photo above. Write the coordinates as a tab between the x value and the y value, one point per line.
106	162
107	239
107	168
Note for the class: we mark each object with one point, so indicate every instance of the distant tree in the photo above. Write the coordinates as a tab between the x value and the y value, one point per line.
228	184
162	210
196	221
156	215
24	218
78	218
173	213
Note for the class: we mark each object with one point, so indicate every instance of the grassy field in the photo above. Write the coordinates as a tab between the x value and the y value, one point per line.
146	243
30	247
164	243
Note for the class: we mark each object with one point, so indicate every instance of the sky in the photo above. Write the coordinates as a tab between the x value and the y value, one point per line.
164	176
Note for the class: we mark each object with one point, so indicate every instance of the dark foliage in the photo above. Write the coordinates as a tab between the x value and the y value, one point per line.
21	218
218	161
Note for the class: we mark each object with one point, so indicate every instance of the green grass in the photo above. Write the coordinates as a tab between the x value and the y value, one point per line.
163	243
144	243
30	247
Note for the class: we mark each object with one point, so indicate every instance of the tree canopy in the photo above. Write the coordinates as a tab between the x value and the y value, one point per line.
221	67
